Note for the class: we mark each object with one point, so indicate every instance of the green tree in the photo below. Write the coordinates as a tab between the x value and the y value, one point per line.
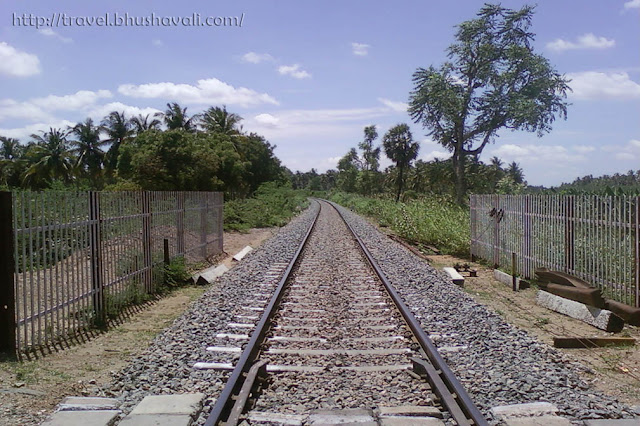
88	148
514	171
369	177
142	123
176	117
401	149
12	163
493	80
118	130
348	167
219	120
50	158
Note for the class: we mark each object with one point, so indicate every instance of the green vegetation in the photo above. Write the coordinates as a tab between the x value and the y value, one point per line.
271	205
493	80
435	221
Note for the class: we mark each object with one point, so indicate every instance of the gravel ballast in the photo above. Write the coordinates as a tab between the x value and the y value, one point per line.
497	363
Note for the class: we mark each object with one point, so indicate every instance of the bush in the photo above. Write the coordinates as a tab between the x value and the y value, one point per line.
434	219
271	205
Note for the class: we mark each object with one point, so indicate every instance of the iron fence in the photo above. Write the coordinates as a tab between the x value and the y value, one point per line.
71	261
595	238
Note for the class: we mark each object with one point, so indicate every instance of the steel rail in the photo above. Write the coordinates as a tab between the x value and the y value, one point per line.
447	376
224	404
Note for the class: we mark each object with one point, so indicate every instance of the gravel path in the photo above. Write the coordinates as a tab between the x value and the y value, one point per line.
497	363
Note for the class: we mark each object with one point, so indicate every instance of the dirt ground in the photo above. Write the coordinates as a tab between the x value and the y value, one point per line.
614	370
30	390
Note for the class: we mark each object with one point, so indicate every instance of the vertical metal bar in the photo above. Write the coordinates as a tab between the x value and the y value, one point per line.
569	234
636	246
7	289
97	287
18	275
146	240
179	222
514	280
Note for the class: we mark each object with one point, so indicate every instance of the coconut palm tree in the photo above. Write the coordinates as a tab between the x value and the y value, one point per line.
515	172
176	117
87	147
118	130
141	123
219	120
10	148
52	158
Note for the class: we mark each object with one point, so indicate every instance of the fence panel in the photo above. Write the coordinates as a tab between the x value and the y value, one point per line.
595	238
78	258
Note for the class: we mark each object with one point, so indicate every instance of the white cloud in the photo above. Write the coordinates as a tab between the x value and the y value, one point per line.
634	143
583	149
628	152
99	112
601	85
531	153
294	71
256	58
15	63
210	91
157	43
267	120
77	101
586	41
48	32
430	156
24	133
360	49
41	108
632	4
394	105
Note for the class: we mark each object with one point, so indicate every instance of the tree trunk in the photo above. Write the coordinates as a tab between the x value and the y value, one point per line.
400	181
458	170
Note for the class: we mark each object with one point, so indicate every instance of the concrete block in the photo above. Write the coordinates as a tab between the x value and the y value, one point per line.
599	318
187	403
524	410
538	421
410	421
455	276
411	410
156	420
83	418
348	416
77	403
242	253
505	278
210	274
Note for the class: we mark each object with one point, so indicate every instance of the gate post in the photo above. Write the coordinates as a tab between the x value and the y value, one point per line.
7	270
97	286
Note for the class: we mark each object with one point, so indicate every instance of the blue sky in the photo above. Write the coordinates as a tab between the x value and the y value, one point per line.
311	75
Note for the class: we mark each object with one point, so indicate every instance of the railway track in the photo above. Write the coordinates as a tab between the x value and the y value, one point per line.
332	342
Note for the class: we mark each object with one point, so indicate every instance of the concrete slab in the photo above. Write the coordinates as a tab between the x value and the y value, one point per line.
599	318
157	420
411	410
209	275
523	410
76	403
538	421
187	403
83	418
410	421
242	253
357	416
455	276
613	422
278	418
505	278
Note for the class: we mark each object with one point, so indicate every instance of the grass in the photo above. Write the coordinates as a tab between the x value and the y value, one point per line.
432	220
271	205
